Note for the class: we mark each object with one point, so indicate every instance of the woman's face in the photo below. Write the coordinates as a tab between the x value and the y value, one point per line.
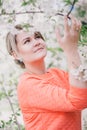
31	48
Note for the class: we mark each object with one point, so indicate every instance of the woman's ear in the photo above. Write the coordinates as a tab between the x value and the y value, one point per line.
14	55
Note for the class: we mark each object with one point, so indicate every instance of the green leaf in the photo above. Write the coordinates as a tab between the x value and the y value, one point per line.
29	2
1	2
18	114
55	50
10	20
83	35
52	50
3	11
32	2
24	3
10	93
59	49
68	2
2	124
50	65
2	95
82	13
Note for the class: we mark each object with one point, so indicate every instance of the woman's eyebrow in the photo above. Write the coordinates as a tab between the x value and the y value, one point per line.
27	38
36	33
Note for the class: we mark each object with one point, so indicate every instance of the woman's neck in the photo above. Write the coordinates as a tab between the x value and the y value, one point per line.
37	68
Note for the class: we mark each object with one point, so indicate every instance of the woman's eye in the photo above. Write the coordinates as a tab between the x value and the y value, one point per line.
26	42
38	37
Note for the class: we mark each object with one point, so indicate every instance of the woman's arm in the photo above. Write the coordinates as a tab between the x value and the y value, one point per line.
69	43
45	95
73	63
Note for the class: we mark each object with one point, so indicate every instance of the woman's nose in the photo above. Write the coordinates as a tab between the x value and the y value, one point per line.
36	42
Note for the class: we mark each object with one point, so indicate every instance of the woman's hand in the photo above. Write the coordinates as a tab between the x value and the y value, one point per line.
70	39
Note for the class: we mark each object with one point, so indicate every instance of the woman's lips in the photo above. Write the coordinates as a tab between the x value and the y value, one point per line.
39	49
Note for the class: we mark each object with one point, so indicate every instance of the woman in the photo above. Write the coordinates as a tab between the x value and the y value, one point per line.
49	99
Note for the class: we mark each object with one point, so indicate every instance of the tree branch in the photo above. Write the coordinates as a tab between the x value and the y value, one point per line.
12	108
18	13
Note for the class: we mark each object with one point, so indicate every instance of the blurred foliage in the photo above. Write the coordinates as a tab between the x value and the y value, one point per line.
10	94
70	2
26	2
1	2
83	37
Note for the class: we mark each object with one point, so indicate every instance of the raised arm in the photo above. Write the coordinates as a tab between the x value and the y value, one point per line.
69	43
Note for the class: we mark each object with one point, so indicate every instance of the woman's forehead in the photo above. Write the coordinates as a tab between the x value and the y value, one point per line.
24	34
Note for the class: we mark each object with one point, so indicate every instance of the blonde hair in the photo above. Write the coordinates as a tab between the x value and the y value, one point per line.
11	43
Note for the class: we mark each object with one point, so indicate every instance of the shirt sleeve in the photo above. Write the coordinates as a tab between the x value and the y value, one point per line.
41	94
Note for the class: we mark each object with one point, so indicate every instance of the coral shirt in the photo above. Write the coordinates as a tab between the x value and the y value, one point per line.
48	102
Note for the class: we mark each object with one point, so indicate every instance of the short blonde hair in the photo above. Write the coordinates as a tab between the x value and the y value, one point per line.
11	43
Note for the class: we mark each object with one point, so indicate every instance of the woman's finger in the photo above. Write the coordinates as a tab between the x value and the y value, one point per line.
58	35
73	23
78	26
66	24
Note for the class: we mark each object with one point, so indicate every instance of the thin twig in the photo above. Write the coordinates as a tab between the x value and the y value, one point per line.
18	13
11	108
72	6
62	15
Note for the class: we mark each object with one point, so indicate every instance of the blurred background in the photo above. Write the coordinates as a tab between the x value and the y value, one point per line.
44	16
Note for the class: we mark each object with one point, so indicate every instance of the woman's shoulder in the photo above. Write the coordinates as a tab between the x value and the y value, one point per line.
58	71
51	72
